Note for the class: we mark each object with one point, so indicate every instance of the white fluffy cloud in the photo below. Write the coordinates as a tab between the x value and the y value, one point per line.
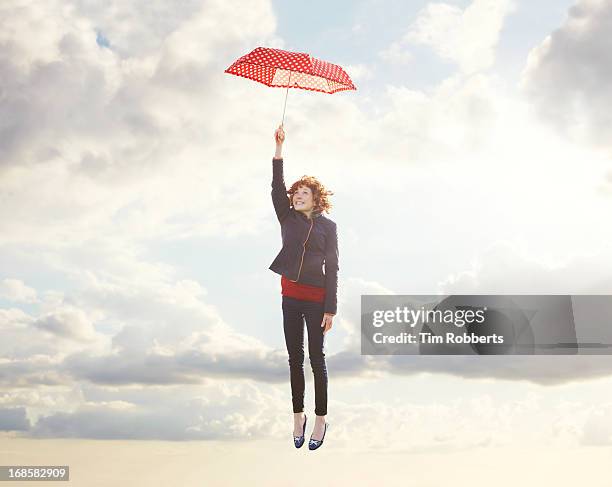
505	268
467	37
397	53
215	411
597	429
68	323
89	130
567	76
16	290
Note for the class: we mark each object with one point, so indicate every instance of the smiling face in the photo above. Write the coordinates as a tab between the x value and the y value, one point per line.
303	200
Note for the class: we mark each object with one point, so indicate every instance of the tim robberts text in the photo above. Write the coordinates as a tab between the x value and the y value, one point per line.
411	317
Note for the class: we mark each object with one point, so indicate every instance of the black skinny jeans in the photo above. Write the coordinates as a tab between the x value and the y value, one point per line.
295	311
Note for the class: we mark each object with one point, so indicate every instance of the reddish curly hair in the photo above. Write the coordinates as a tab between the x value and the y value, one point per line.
320	195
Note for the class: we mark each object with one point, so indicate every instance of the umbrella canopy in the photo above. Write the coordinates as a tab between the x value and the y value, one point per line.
285	69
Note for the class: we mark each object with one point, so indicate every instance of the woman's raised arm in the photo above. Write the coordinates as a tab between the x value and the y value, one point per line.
279	190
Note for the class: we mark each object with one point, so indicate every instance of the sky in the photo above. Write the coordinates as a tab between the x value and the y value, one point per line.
137	310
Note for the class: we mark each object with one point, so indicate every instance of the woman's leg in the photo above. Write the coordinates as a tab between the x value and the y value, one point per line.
293	324
313	312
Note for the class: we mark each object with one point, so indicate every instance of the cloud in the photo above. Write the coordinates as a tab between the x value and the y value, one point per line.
122	129
216	411
457	116
14	419
16	290
223	411
596	429
506	268
31	372
32	347
503	268
135	29
358	71
68	323
567	76
143	326
188	367
396	53
185	343
466	37
42	400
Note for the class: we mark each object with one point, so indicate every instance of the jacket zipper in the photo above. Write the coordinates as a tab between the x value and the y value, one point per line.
304	251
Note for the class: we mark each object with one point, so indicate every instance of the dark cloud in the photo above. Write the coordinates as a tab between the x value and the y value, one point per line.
541	370
108	423
30	374
68	324
217	411
190	367
14	419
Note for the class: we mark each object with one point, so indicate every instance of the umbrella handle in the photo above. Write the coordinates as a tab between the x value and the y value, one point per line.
287	92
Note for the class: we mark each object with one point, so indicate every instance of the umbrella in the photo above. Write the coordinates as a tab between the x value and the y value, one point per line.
279	69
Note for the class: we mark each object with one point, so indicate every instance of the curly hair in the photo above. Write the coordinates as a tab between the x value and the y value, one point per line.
320	195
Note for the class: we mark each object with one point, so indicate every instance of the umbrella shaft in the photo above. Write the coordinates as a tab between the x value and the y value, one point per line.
286	93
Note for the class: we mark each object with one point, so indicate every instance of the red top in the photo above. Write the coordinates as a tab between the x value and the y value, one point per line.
302	291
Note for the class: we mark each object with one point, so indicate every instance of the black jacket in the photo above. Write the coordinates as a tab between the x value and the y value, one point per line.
309	245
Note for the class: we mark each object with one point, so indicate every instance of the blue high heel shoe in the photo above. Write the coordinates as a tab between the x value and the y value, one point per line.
298	441
314	444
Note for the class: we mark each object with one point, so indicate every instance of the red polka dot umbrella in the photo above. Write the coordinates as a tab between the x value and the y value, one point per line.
285	69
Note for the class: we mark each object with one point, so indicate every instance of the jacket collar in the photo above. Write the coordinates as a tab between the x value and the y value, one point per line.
313	215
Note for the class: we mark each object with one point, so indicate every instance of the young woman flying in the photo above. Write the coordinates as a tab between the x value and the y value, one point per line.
308	264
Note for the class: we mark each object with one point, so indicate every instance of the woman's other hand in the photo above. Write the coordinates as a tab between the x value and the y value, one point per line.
326	324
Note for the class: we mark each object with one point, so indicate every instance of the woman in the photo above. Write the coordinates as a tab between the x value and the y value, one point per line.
310	243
